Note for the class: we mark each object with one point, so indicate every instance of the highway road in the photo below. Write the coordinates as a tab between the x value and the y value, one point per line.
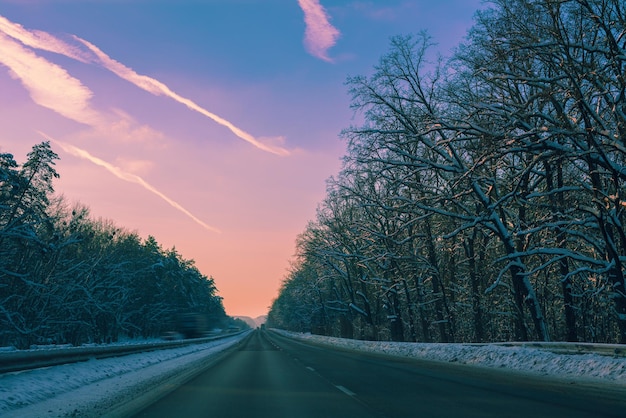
273	376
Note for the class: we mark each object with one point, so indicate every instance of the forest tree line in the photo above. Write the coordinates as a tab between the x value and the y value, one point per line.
68	278
482	197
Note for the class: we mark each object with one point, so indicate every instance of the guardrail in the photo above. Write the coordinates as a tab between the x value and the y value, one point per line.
614	350
11	361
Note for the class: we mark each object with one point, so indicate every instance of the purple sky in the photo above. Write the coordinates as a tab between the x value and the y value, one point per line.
210	124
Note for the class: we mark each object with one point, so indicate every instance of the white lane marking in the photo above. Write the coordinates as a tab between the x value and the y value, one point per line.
345	390
310	368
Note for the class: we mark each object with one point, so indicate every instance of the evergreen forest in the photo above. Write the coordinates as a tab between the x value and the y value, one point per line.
66	278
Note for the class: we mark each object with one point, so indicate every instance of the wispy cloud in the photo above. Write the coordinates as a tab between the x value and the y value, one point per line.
158	88
48	84
119	127
319	34
126	176
51	86
41	40
45	41
385	12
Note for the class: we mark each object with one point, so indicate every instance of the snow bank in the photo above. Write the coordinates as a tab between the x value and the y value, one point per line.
523	359
91	388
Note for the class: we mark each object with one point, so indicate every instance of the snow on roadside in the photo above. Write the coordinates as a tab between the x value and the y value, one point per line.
75	388
523	359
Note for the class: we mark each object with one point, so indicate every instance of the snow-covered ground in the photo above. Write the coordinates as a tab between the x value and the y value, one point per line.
524	359
93	388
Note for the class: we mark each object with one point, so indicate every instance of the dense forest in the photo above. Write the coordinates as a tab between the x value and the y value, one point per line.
482	196
68	278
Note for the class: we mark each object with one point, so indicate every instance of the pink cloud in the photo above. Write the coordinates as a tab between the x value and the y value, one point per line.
158	88
51	86
319	35
374	12
123	128
135	166
48	84
42	40
126	176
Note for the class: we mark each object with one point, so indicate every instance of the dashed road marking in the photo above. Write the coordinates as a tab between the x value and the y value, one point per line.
345	390
310	368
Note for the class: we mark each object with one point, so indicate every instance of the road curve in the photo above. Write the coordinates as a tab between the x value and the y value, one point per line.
273	376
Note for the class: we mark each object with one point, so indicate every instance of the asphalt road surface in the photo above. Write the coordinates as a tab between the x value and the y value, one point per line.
273	376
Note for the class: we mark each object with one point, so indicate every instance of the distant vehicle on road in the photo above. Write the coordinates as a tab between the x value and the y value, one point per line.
192	325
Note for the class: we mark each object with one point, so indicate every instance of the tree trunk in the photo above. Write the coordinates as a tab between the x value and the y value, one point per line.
438	291
477	311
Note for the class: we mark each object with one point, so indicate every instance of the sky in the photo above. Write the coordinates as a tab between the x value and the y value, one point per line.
211	125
